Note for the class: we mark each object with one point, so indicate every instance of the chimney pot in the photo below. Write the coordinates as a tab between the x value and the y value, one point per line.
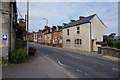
81	17
46	27
54	27
64	24
72	20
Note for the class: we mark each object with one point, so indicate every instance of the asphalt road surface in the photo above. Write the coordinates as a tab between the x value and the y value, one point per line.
80	65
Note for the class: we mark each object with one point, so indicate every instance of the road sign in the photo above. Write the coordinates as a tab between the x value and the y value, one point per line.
4	37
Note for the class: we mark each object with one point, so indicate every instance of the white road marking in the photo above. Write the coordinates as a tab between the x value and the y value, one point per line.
102	64
72	68
67	66
76	57
86	74
115	69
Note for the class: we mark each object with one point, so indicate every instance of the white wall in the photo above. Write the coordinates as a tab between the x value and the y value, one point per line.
98	30
84	35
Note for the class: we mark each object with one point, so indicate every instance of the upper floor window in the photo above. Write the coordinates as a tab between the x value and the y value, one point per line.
67	31
78	30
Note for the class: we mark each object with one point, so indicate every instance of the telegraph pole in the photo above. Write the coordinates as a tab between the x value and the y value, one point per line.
27	24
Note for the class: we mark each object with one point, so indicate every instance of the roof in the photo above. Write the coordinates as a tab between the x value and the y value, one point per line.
77	22
102	43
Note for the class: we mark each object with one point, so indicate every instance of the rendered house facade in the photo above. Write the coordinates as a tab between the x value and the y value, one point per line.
83	34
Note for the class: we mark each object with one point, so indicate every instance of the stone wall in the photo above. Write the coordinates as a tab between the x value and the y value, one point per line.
111	51
5	28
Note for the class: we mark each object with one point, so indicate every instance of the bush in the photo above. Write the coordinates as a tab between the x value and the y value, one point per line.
17	56
117	44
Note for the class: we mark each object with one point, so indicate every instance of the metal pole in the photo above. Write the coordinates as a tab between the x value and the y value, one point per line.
27	24
11	25
46	21
90	38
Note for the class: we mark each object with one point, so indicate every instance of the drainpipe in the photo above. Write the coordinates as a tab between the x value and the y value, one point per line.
90	38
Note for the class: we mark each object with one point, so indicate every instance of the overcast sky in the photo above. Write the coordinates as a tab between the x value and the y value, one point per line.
61	12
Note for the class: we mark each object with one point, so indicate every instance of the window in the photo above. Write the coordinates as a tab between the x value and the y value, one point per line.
67	31
78	30
68	41
75	41
78	41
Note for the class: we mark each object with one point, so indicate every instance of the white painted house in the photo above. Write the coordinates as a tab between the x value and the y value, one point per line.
83	34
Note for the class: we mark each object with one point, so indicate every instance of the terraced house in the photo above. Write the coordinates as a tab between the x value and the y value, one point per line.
57	35
83	34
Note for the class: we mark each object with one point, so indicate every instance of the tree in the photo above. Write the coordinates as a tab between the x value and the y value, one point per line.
111	39
20	35
112	35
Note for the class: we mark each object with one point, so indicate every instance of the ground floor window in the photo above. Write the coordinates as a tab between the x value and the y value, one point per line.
78	41
68	41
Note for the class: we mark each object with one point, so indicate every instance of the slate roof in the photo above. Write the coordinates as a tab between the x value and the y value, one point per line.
77	22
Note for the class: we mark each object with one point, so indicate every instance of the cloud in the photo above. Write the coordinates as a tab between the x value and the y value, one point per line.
60	12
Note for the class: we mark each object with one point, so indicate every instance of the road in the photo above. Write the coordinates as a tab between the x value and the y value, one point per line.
80	65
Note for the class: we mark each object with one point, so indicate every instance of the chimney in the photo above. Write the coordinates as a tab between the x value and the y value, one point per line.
81	17
64	24
72	20
46	27
54	27
40	30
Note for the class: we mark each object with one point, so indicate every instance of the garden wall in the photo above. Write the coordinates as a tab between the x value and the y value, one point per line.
111	51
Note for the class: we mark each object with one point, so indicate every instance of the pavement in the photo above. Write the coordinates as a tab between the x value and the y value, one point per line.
38	66
51	62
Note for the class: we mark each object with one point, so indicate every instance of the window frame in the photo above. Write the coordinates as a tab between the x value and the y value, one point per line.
68	41
78	30
68	32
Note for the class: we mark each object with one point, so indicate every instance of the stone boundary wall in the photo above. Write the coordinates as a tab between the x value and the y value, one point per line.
53	45
111	52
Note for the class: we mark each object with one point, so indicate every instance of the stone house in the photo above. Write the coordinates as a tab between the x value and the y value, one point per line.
8	20
83	34
57	35
35	36
40	36
46	35
30	36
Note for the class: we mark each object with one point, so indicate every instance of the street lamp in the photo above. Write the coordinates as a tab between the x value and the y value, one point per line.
46	21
